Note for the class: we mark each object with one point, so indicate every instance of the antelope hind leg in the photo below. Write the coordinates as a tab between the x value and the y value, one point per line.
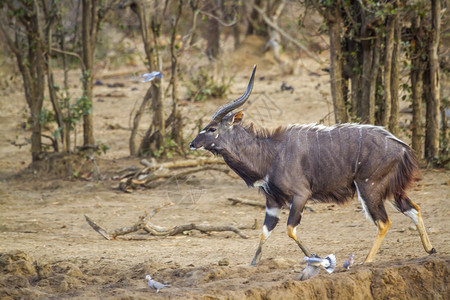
292	234
416	217
295	216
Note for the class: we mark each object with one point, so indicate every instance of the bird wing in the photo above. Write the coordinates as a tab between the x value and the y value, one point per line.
308	272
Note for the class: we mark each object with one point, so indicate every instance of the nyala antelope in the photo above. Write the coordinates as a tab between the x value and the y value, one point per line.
296	163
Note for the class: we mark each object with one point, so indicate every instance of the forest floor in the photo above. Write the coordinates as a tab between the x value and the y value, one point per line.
48	250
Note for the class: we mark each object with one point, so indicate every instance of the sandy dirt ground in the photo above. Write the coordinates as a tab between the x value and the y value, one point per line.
48	250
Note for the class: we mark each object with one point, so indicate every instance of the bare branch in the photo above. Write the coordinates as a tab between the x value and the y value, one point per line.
219	20
155	230
287	36
71	54
247	202
97	228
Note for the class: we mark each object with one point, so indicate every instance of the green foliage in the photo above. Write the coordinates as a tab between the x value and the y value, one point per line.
102	148
45	117
168	150
203	86
82	107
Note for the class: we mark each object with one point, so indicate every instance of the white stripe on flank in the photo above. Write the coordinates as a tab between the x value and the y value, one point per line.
321	127
363	203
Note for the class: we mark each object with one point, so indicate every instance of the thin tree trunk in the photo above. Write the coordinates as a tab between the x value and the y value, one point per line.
213	31
52	92
340	112
417	71
389	48
137	120
177	127
37	58
395	78
433	101
89	18
363	107
417	123
138	8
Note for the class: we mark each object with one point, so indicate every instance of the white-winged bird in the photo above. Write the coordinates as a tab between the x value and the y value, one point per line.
155	284
314	264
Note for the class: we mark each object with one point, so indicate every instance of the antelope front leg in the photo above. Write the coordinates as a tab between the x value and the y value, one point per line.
270	221
295	215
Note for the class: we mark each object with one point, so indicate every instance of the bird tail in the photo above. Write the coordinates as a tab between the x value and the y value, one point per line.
332	259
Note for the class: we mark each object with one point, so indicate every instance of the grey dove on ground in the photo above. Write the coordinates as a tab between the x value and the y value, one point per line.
313	266
155	284
349	261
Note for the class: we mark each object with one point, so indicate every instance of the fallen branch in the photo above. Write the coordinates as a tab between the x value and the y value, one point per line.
247	202
155	230
149	182
180	229
97	228
152	172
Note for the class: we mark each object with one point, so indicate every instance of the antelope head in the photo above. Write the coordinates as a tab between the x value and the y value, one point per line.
218	132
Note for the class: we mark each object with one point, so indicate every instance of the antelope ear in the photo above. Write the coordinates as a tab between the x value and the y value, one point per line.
237	118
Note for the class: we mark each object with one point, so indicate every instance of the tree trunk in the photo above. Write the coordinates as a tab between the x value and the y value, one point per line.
388	50
139	9
137	120
52	92
177	125
213	30
395	78
433	99
340	112
89	21
416	91
417	70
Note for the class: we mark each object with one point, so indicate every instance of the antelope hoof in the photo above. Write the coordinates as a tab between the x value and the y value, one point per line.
256	259
432	251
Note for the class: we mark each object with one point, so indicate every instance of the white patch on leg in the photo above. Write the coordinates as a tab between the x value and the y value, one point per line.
266	232
363	203
273	211
413	214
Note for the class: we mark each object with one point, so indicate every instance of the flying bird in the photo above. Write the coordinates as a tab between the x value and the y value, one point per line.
155	284
314	264
151	76
349	262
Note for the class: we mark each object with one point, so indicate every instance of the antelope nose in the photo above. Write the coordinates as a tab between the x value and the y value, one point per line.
192	146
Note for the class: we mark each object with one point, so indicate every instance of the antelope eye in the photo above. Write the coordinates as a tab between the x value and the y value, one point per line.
211	129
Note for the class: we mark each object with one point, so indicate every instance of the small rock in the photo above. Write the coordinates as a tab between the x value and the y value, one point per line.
432	230
224	262
412	228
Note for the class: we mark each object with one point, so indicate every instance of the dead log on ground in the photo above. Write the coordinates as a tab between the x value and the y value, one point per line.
154	230
247	202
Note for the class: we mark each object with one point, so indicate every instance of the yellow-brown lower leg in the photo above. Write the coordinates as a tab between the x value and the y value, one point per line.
293	235
422	231
382	230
